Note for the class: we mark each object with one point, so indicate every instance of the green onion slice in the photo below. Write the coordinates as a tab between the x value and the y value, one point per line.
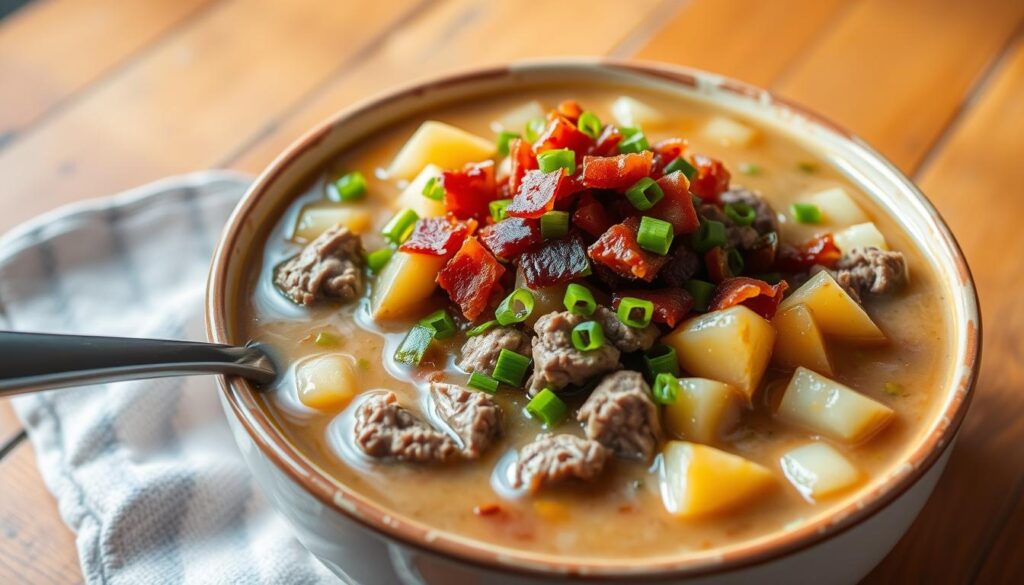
710	235
701	292
588	336
554	224
681	164
415	344
661	359
547	407
400	226
482	382
434	189
634	141
498	208
378	259
560	158
750	169
441	322
325	339
534	128
666	388
654	235
481	328
740	213
635	312
589	124
578	299
806	212
644	194
350	187
504	138
511	368
735	261
807	166
516	307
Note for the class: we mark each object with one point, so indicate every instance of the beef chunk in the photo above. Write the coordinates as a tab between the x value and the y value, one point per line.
553	458
765	219
736	236
473	416
871	271
624	337
557	363
480	353
329	267
385	429
682	265
621	415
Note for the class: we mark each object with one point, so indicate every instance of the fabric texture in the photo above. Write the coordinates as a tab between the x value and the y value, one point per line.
146	473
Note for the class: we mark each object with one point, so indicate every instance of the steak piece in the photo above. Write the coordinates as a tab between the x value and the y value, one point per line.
624	337
765	218
621	415
554	458
557	363
385	429
480	353
472	416
871	271
682	265
329	267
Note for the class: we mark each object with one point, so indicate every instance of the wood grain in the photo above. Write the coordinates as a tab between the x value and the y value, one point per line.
10	426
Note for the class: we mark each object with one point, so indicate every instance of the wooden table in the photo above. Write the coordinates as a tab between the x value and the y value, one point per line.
97	96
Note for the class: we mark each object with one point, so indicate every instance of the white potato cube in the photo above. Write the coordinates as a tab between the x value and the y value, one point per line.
697	480
704	411
406	281
633	113
862	235
326	382
728	132
818	470
732	346
515	120
829	408
837	207
834	310
440	144
799	341
316	218
412	196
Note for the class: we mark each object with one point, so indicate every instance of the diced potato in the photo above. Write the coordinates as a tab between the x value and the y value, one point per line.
440	144
731	346
697	480
326	382
837	207
799	341
835	311
818	470
633	113
827	407
704	410
406	281
412	197
515	120
862	235
728	132
316	218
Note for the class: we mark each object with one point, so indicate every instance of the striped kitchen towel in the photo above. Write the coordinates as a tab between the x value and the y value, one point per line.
146	473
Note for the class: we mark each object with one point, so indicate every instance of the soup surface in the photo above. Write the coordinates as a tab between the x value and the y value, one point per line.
750	413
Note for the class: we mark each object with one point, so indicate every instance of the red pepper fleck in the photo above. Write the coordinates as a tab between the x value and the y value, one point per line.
470	277
757	295
616	172
711	180
818	250
618	250
436	236
554	262
511	237
468	191
488	509
670	304
676	207
536	195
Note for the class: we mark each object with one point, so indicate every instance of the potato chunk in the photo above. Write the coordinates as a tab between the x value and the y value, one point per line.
315	218
732	346
818	470
704	410
829	408
515	119
835	312
633	113
412	197
697	480
862	235
440	144
403	285
326	382
799	341
728	132
837	207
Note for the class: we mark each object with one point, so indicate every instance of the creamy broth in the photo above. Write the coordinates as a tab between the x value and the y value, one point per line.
621	515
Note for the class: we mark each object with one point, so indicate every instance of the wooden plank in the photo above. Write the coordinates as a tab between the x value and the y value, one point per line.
975	182
190	101
10	426
1005	563
50	50
35	545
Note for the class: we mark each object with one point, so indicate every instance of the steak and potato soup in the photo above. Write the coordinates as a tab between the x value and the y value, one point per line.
596	324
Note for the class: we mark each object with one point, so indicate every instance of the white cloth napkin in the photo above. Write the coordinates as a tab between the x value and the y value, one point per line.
146	473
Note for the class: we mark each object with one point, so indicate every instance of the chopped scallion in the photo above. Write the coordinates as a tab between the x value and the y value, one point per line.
560	158
400	226
554	224
894	389
635	141
516	307
661	359
589	124
701	292
588	336
710	235
735	261
750	169
578	299
377	259
666	388
654	235
807	166
511	368
434	189
441	322
498	208
415	345
482	328
482	382
644	194
740	213
325	339
681	164
806	212
534	128
504	138
350	187
547	407
635	312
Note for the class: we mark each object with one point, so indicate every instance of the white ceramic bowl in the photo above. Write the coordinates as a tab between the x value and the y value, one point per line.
357	538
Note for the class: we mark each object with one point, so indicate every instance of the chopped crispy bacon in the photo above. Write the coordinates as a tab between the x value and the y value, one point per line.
523	160
536	195
757	295
717	262
676	207
436	236
468	191
616	172
618	250
669	149
555	262
470	277
818	250
712	178
670	304
591	216
570	109
563	133
607	143
511	236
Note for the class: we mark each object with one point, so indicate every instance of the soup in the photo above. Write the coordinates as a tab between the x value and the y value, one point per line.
596	324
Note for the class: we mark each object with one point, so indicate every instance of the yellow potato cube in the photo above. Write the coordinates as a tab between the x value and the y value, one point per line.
697	480
837	207
731	346
862	235
326	382
316	218
818	470
835	312
406	281
704	410
412	196
633	113
799	341
831	409
728	132
515	120
440	144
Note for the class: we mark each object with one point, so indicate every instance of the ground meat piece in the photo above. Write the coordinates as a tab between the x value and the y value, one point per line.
480	353
557	363
473	416
385	429
621	415
871	271
330	266
765	218
553	458
736	236
682	265
624	337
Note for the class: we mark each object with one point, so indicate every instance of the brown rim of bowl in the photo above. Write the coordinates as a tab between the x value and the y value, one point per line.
356	507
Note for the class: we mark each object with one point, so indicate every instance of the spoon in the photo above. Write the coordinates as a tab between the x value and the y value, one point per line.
30	362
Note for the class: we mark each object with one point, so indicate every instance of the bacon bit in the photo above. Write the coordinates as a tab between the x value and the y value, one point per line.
607	143
676	207
536	195
717	262
670	304
436	236
757	295
669	149
590	216
523	160
563	133
616	172
555	262
470	277
570	185
488	509
818	250
618	250
570	109
712	178
511	237
467	192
